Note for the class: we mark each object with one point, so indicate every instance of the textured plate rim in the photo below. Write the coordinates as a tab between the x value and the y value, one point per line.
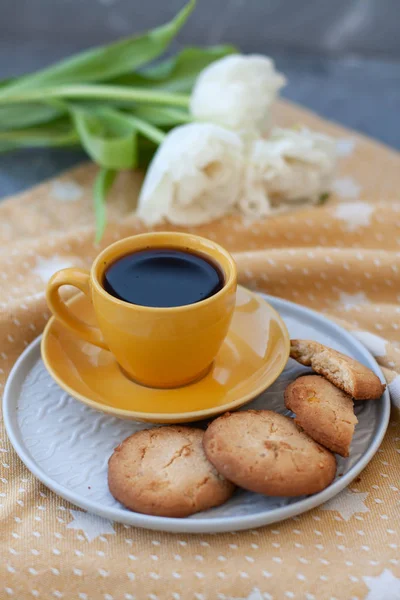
196	415
203	525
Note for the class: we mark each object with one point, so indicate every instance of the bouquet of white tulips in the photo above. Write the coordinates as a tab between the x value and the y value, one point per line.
209	153
231	158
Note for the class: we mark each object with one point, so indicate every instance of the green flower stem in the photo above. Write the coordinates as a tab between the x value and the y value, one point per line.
97	92
102	185
147	129
25	135
37	138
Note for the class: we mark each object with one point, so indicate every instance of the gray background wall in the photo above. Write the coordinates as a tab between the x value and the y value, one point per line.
367	27
342	57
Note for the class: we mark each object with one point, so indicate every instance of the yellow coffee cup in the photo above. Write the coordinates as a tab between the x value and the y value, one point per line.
157	347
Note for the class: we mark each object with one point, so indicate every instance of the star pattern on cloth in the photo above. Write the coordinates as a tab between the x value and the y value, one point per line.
255	594
91	525
345	146
347	504
374	343
71	191
46	267
346	187
383	587
354	215
348	301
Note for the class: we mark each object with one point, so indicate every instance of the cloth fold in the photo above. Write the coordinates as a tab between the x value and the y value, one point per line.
341	259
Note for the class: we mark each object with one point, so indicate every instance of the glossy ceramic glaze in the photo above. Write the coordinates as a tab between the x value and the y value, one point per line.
159	347
252	356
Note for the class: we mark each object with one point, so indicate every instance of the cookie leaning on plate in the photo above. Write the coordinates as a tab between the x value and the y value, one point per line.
164	471
323	411
265	452
344	372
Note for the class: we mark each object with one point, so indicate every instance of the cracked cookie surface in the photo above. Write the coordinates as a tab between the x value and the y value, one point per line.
265	452
164	471
324	412
344	372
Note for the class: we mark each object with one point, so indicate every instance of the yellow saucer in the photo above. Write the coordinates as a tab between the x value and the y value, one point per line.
252	357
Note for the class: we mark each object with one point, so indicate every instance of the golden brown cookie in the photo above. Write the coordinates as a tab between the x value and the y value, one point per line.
164	471
346	373
265	452
323	411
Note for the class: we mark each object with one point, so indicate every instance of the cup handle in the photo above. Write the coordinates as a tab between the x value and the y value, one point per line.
78	278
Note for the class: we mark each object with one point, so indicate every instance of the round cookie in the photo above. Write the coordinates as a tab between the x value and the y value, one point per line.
265	452
164	471
323	411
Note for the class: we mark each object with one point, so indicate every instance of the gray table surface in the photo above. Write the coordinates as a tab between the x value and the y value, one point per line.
341	62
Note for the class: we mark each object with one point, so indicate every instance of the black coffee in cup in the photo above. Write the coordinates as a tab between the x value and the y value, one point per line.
163	277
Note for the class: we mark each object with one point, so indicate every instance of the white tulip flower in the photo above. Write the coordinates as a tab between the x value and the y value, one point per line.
237	92
291	166
195	176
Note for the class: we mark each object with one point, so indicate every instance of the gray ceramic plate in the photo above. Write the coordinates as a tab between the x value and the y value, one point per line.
67	444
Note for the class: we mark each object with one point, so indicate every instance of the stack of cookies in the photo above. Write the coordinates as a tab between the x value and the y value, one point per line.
323	403
176	471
